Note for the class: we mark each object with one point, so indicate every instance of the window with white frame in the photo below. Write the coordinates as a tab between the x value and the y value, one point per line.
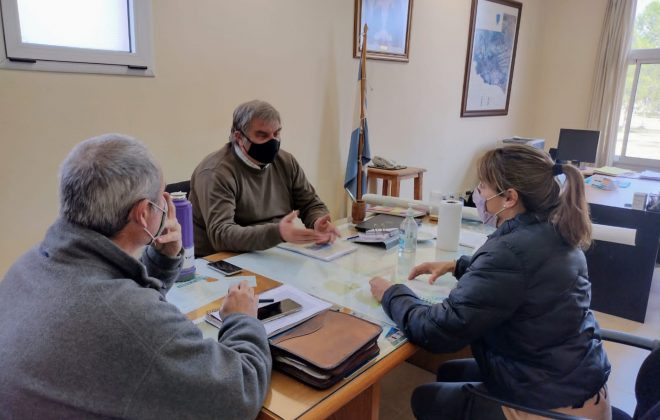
91	36
638	136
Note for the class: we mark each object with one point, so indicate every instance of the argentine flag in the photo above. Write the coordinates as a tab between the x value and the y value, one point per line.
350	181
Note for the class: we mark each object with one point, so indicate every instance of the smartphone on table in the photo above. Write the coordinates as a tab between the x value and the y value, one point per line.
277	309
228	269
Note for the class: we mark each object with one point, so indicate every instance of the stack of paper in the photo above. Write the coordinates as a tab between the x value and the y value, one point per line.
324	252
310	306
203	290
650	175
612	171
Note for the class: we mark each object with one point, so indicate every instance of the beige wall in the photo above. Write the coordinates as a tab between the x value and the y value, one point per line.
571	33
297	54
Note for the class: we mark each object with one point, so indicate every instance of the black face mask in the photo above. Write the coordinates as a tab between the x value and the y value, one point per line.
264	152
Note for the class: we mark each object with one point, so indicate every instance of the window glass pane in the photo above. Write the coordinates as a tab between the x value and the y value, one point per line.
630	75
95	24
644	137
647	24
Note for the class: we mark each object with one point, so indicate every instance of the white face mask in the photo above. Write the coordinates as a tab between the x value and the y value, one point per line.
162	223
486	217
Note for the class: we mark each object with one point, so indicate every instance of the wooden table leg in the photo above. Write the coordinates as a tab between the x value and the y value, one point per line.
396	187
418	186
372	184
364	406
386	187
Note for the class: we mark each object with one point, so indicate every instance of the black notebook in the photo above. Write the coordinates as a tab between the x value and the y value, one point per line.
382	221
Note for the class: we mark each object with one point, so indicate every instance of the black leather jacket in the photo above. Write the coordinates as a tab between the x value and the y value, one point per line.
522	302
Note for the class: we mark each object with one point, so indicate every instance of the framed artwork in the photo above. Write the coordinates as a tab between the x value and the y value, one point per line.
491	54
388	36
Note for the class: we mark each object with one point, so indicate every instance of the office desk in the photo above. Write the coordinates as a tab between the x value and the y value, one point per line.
621	197
621	274
343	282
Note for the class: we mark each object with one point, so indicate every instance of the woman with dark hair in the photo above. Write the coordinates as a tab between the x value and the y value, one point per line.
521	302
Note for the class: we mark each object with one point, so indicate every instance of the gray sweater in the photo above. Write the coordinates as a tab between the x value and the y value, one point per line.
238	208
86	332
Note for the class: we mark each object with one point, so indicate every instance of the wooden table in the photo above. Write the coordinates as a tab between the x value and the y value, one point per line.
357	398
392	179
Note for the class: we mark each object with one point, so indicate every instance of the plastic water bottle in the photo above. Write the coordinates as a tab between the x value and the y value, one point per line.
408	233
184	216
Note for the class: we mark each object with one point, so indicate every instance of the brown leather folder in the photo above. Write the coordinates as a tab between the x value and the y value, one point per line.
326	348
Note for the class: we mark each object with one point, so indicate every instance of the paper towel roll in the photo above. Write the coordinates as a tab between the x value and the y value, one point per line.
449	225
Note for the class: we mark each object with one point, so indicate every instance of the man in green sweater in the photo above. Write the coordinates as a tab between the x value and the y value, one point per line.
247	195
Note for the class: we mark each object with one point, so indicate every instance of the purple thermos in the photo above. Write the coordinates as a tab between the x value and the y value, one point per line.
184	216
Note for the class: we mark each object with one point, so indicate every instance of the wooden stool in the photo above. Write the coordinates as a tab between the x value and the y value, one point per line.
392	178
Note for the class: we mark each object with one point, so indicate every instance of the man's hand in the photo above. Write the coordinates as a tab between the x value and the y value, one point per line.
435	269
324	226
240	299
169	242
294	234
379	286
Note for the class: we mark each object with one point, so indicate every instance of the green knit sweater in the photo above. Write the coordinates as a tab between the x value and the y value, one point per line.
238	208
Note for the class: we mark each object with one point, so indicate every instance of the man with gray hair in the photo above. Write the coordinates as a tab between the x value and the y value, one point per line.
247	195
85	328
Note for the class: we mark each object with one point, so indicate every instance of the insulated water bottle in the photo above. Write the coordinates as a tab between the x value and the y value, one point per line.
184	216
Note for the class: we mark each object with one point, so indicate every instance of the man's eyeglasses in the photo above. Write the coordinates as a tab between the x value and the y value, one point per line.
162	219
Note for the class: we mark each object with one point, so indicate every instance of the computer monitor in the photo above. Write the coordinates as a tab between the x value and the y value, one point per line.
577	145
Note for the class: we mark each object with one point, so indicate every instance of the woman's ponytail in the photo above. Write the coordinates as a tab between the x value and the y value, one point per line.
571	215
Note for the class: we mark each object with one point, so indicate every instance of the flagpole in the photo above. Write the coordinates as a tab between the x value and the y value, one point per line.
359	206
363	82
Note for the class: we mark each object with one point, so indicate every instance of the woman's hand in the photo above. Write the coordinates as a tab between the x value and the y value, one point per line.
379	286
435	269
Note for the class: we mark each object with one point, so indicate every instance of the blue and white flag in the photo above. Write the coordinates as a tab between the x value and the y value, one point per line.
350	181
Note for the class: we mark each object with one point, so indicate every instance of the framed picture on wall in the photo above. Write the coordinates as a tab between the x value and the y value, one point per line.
388	36
491	54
